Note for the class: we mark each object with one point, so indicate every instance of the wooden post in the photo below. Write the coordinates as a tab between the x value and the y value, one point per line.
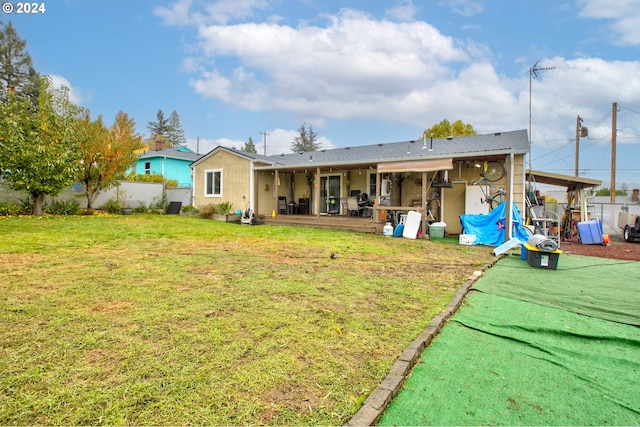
425	231
317	193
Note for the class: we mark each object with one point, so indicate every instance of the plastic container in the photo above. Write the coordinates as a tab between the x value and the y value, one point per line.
387	230
542	259
590	232
436	230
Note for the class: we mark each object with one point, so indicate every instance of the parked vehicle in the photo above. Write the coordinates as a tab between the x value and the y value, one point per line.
630	224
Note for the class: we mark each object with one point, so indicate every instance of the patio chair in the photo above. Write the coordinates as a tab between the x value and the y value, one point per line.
345	206
352	206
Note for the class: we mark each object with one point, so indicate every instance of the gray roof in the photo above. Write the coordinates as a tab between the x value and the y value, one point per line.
515	142
500	143
171	153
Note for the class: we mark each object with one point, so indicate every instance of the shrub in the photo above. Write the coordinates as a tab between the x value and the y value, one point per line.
189	208
226	208
208	211
112	206
10	209
63	207
141	209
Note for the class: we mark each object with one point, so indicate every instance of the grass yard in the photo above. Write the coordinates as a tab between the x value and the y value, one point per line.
169	320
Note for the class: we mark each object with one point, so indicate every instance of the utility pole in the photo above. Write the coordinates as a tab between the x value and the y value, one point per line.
264	141
581	132
614	131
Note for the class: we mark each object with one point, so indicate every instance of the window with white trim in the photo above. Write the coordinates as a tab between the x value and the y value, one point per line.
213	183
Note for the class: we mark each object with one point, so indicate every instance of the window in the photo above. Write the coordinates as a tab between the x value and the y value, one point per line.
213	183
147	168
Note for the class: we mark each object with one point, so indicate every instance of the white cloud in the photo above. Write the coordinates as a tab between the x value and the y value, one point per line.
464	7
181	12
348	69
404	11
76	95
624	16
177	14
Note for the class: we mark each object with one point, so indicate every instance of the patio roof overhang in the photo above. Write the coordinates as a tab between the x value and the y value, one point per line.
428	165
571	182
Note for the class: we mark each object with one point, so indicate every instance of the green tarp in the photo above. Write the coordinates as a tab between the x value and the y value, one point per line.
521	351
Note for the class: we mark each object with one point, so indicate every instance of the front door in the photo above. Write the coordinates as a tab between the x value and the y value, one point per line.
330	194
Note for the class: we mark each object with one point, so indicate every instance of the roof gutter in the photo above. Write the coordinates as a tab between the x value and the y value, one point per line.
365	163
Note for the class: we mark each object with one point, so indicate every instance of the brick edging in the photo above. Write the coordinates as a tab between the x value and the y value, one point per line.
374	406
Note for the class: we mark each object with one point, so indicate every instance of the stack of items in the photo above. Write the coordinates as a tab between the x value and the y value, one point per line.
542	252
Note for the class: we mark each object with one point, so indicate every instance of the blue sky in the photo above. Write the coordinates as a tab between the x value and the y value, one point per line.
359	71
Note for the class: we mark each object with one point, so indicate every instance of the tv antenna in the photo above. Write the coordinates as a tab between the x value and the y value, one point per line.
533	74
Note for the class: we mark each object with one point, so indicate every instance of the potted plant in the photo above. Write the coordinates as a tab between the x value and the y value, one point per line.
227	210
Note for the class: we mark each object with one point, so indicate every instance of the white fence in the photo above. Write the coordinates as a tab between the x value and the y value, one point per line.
134	194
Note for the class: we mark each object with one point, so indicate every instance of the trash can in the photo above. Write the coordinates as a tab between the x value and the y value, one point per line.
292	208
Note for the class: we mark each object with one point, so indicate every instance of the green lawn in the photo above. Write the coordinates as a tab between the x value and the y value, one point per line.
170	320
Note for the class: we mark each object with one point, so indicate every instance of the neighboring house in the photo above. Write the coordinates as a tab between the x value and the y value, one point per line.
172	163
397	176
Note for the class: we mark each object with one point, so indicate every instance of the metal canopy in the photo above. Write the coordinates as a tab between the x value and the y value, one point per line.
571	182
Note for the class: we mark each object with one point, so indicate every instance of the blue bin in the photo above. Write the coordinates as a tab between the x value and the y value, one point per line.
590	232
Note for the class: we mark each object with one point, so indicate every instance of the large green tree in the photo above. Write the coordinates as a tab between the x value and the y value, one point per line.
168	131
106	153
39	152
307	140
445	129
16	68
176	133
160	126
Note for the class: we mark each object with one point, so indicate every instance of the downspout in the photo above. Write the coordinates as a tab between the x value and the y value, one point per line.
509	224
252	184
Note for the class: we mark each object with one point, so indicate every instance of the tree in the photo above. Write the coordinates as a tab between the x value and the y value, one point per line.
106	153
175	133
306	140
39	145
249	147
16	69
606	191
445	129
159	127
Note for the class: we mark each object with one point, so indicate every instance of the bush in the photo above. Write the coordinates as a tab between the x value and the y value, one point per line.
208	211
10	209
226	208
141	209
63	207
112	206
189	208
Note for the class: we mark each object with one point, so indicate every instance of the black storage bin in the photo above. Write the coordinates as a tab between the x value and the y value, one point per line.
303	206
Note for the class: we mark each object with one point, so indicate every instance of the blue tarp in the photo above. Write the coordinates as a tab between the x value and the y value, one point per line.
489	229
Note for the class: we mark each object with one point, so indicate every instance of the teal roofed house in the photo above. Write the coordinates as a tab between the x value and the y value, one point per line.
172	163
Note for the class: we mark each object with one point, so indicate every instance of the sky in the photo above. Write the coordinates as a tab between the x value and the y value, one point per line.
358	72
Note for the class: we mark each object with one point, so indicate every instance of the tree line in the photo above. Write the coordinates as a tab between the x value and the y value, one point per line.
48	143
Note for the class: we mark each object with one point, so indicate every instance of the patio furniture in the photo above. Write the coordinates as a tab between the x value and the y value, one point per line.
353	208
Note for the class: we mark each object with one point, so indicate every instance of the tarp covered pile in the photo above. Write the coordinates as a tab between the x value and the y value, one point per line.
489	229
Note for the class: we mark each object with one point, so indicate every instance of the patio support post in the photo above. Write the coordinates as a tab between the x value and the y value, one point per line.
317	192
425	231
376	212
509	225
275	192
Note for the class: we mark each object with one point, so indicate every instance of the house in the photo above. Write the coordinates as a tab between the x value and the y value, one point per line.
436	176
172	163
